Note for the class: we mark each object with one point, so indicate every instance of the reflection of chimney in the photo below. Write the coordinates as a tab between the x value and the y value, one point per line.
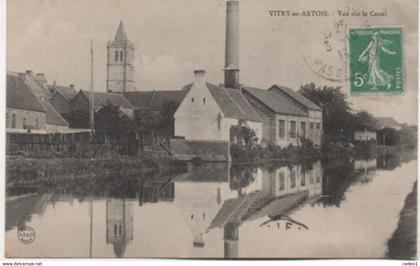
232	45
199	76
198	241
230	237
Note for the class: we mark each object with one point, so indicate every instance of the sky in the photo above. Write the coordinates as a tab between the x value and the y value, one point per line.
172	38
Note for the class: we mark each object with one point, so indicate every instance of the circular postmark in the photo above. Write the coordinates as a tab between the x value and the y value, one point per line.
328	61
26	234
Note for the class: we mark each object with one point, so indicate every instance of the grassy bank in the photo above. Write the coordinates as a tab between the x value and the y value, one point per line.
32	171
403	243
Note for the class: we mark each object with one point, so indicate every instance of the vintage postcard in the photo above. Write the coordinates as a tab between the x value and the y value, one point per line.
214	129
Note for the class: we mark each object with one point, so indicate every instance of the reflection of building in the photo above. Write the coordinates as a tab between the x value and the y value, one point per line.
388	161
198	194
364	135
20	210
119	224
231	237
365	164
287	180
206	193
281	191
218	196
366	167
154	192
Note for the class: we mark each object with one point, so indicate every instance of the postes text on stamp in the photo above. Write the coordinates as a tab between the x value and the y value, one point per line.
376	60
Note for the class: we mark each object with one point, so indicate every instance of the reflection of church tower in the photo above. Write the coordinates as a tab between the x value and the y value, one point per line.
119	224
120	63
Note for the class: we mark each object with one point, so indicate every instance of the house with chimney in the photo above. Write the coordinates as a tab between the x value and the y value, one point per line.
287	116
61	99
280	116
37	84
23	110
208	112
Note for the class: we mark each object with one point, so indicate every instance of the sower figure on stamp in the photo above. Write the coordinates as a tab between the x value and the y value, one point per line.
377	76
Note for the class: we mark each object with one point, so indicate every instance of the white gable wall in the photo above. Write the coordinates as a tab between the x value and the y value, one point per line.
198	116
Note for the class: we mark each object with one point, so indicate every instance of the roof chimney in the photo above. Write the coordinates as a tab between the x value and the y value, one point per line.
42	80
199	76
232	45
72	86
21	76
30	72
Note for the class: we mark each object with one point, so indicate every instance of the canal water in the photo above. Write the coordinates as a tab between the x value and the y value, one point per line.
339	208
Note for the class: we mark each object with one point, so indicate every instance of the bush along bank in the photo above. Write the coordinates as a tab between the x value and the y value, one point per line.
403	243
255	154
31	171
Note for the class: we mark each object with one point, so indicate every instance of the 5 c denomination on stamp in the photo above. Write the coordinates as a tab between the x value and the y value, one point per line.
376	60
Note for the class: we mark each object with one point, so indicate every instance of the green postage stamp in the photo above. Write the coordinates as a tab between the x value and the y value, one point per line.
376	60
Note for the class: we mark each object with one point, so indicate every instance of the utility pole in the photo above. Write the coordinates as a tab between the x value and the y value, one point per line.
91	116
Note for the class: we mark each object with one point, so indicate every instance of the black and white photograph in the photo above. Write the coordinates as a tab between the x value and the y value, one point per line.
223	129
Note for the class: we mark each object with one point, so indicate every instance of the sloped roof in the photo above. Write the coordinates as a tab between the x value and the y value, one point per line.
53	117
243	103
20	96
274	101
297	96
153	100
232	103
68	92
389	122
103	98
227	211
120	36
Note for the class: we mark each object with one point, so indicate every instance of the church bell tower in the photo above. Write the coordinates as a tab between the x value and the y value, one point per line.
120	63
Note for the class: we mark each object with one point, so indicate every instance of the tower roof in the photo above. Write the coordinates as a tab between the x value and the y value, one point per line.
120	36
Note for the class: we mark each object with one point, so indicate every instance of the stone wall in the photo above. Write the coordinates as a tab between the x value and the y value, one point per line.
33	119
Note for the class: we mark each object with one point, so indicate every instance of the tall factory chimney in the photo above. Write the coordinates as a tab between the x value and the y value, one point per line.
232	45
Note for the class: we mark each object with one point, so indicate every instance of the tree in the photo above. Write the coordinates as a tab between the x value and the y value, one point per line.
363	120
336	109
339	120
167	121
243	135
408	135
388	136
111	121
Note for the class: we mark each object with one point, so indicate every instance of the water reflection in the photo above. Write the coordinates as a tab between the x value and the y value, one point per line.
119	224
208	205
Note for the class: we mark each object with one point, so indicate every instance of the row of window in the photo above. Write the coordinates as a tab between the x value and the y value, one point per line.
282	180
119	56
293	127
14	125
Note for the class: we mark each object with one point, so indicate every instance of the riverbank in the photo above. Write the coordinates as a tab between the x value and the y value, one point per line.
23	171
403	243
